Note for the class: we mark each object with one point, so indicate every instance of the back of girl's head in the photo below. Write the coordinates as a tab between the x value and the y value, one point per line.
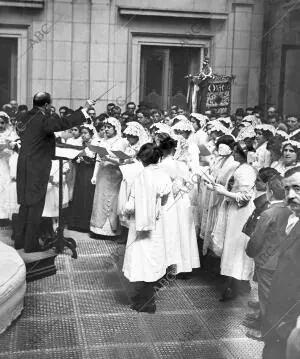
267	134
226	140
149	154
274	144
266	173
168	145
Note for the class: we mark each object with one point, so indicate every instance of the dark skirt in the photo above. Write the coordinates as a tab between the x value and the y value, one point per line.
80	210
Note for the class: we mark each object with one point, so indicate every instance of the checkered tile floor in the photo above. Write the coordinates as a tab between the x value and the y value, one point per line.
83	312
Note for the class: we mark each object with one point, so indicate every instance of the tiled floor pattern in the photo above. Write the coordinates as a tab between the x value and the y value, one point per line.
83	312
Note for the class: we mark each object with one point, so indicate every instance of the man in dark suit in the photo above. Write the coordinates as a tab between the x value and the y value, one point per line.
265	242
283	306
36	130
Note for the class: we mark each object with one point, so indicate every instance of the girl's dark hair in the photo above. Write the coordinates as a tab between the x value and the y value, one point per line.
162	136
5	119
266	173
91	132
99	126
167	145
274	144
267	134
241	150
226	140
102	116
149	154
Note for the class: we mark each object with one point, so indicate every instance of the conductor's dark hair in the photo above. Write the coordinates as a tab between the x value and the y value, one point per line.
41	98
149	154
226	140
167	145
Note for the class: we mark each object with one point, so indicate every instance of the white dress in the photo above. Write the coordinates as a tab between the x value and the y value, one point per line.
262	157
132	170
146	257
104	219
71	175
51	208
14	206
182	220
5	180
228	229
222	172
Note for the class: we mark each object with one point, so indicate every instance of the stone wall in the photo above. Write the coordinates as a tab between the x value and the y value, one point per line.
88	47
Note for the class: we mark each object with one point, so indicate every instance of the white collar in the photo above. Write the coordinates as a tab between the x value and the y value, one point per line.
276	201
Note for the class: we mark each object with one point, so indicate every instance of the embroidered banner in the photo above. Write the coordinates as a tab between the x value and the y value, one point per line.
219	94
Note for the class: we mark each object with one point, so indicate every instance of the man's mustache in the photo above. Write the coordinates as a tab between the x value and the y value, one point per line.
290	201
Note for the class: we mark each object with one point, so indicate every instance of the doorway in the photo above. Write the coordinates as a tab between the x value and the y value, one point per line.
162	74
290	77
8	69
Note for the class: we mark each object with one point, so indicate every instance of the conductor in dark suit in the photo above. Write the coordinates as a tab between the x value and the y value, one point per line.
36	130
283	306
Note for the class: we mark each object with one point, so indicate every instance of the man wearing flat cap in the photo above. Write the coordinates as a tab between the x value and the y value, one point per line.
36	129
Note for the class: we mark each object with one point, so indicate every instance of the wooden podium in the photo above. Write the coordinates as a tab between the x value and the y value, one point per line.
59	243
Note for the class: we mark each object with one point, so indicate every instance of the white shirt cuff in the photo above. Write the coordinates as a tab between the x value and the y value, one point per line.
83	110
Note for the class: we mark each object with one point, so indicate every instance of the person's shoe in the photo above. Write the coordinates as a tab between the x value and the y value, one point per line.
184	276
136	298
252	316
243	287
253	304
227	295
149	308
255	335
251	324
121	241
98	236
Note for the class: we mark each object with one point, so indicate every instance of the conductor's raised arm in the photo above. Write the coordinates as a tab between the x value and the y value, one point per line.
53	123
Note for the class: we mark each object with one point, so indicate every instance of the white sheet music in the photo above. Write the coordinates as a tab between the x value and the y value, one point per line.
69	153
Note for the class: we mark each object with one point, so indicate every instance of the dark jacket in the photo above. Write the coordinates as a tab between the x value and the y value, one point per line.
36	131
265	241
283	306
261	204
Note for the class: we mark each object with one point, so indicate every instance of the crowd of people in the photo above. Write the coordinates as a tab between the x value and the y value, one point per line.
183	191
